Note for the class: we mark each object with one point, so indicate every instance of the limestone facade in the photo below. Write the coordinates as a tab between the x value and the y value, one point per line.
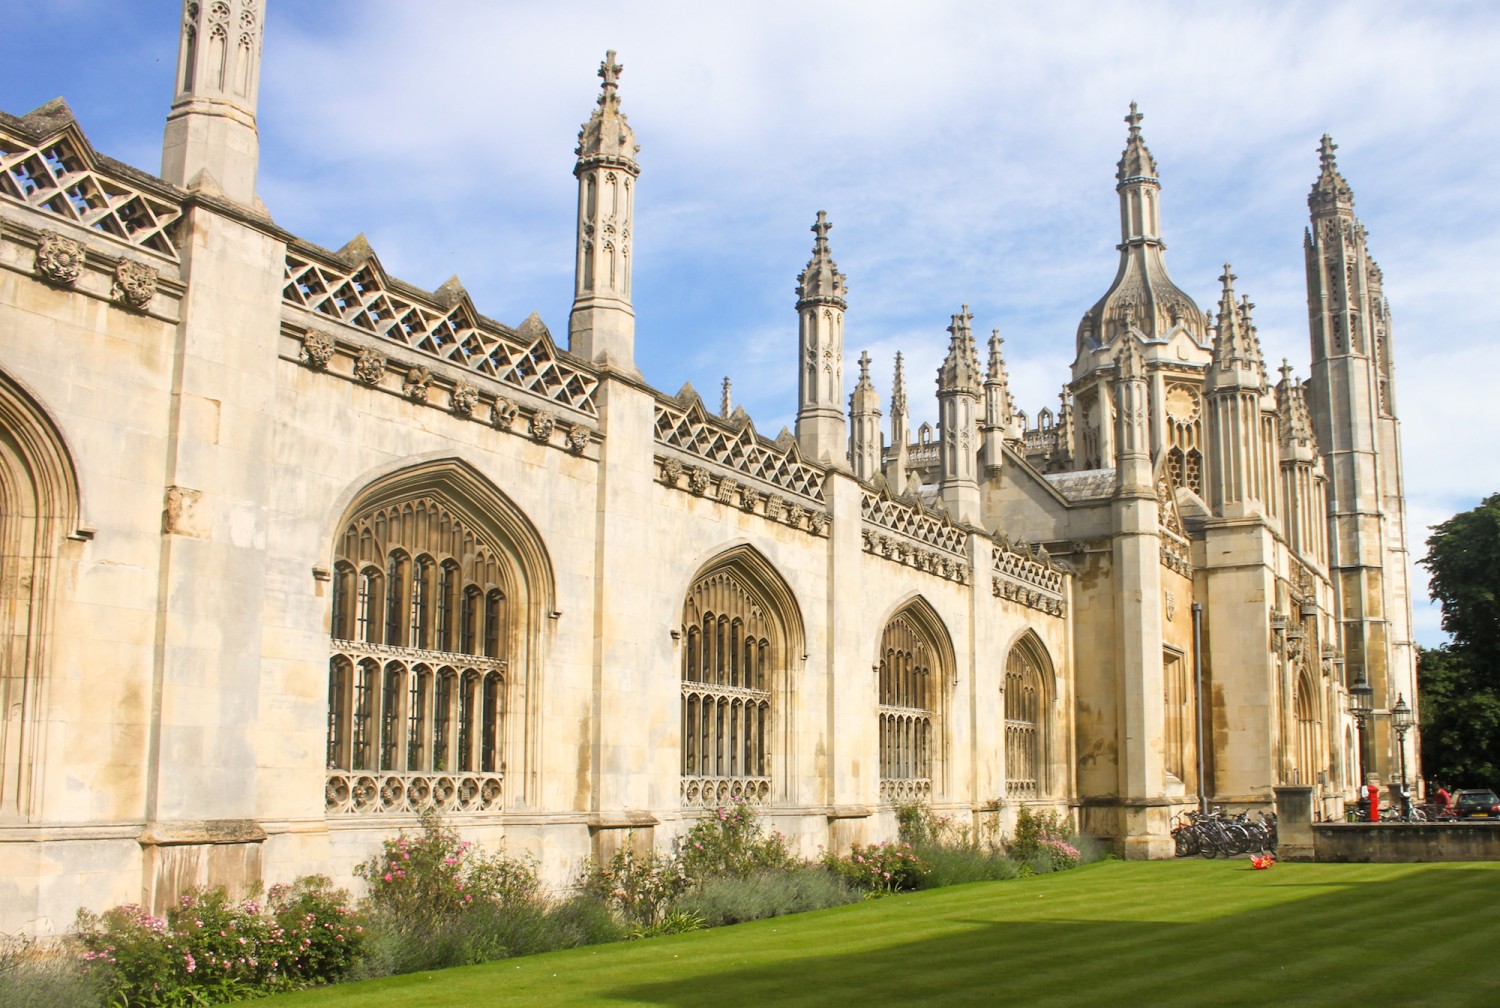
273	519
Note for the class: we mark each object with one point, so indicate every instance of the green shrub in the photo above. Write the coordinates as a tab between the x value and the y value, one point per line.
33	975
435	901
639	886
735	899
211	950
886	867
956	865
1044	832
731	841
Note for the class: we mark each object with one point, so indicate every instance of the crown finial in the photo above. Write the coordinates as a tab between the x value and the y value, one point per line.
609	71
821	227
1285	369
864	365
1325	153
1134	119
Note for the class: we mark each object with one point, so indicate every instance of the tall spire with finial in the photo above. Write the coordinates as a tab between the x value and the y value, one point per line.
999	407
864	420
724	403
601	327
1142	298
211	132
895	474
1351	396
1239	478
820	310
958	422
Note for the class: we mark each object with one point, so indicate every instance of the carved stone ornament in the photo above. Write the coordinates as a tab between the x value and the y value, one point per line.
817	522
134	284
541	426
58	259
1171	605
503	414
416	384
670	470
749	497
369	366
465	398
698	480
775	505
578	438
318	348
728	488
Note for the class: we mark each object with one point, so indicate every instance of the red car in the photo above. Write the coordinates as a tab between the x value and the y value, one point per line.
1476	804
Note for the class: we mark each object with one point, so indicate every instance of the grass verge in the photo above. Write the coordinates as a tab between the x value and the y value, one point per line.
1114	933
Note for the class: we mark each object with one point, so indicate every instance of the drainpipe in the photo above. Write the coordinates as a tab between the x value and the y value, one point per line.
1198	701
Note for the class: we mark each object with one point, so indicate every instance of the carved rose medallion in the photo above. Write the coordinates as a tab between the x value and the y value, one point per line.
541	426
369	366
134	284
318	348
465	398
416	384
58	259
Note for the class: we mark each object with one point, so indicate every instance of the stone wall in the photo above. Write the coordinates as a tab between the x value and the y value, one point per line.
1405	843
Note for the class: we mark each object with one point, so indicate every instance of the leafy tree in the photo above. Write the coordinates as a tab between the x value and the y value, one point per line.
1460	682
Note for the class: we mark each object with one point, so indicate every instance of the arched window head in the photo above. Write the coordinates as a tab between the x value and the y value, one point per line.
435	571
913	657
738	624
1026	720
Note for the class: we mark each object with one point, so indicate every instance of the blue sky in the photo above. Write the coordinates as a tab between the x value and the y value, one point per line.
965	153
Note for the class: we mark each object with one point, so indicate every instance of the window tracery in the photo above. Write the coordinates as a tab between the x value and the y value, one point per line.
416	703
908	687
730	647
1024	735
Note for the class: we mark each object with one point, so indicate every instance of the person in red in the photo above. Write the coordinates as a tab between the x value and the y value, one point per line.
1372	794
1442	799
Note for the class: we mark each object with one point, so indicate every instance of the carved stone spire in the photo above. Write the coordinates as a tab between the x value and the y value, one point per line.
1330	193
1239	478
1133	452
900	429
211	128
724	401
999	407
1237	361
864	419
1142	298
958	422
820	309
601	327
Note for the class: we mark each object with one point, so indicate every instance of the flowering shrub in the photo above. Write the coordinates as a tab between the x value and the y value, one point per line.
434	900
886	867
731	842
639	886
210	950
1039	834
1062	854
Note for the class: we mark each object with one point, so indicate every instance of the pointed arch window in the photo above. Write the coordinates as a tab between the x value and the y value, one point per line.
733	635
1309	754
1027	725
418	672
910	680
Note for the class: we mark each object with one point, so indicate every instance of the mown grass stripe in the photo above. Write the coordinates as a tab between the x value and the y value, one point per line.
1147	934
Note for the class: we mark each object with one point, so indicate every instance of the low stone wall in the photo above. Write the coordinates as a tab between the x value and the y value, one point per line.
1404	843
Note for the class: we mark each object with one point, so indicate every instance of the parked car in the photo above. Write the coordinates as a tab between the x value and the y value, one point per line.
1476	804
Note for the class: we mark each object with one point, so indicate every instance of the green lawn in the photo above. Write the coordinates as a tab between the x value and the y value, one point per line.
1140	934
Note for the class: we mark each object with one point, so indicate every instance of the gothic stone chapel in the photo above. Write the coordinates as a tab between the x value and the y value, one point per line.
294	550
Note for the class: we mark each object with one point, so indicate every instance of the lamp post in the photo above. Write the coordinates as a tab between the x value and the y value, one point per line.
1361	693
1401	722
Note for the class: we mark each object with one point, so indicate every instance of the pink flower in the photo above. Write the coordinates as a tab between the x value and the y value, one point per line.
388	876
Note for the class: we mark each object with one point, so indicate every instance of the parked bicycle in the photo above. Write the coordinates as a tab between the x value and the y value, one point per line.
1214	833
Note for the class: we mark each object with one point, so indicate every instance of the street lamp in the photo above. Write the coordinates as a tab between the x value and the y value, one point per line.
1361	693
1401	721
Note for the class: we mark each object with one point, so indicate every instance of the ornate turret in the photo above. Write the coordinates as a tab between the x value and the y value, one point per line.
895	473
820	309
1301	470
1143	299
999	407
211	129
1351	397
864	417
602	325
958	421
1239	480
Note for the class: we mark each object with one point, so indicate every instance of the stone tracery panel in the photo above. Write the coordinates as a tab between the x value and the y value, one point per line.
58	176
361	297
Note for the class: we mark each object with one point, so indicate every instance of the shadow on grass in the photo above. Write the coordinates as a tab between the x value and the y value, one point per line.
1428	938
